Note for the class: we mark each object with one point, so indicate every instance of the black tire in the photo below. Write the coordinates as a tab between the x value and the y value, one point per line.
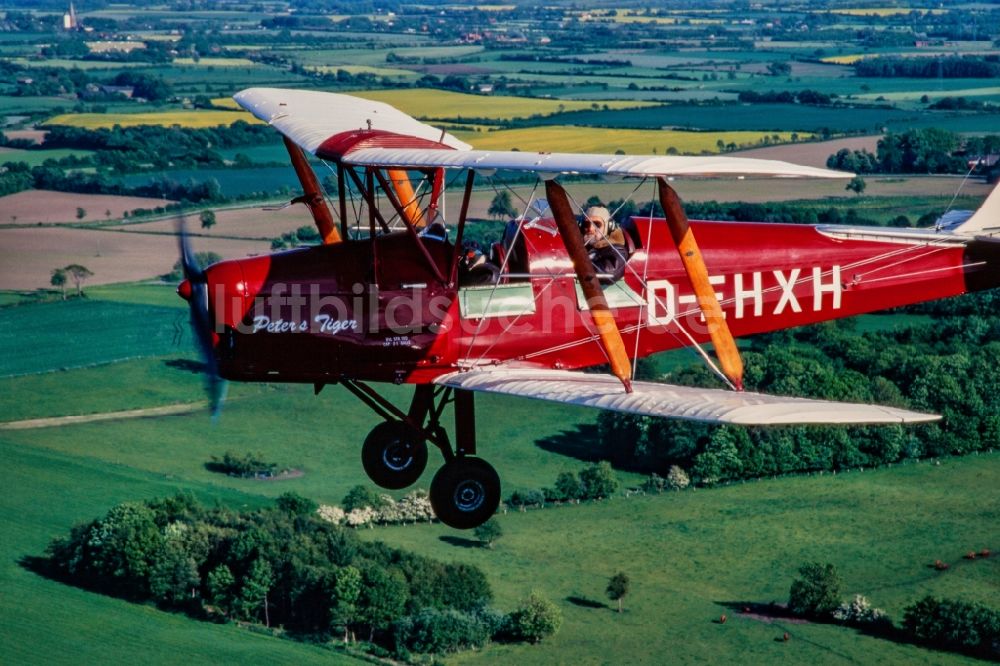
465	493
394	455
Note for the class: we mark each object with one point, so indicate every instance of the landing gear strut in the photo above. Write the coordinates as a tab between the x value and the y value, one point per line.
465	492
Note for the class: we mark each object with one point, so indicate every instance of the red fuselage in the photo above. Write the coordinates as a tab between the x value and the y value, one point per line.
374	310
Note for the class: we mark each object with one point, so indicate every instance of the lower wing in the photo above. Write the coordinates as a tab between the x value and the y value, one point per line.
669	401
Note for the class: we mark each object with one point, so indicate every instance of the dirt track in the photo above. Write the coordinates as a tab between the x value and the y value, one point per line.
105	416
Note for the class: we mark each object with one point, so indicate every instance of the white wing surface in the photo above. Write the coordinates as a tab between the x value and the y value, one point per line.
679	402
585	163
310	117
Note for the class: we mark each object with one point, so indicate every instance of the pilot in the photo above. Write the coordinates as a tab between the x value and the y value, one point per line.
605	243
474	268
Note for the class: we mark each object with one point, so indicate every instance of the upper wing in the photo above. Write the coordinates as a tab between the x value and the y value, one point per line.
586	163
366	133
680	402
314	120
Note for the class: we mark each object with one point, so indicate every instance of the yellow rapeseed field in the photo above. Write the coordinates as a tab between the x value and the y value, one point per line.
447	105
845	59
193	118
569	139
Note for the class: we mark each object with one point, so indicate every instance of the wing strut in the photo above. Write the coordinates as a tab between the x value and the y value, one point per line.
607	328
311	195
407	198
694	265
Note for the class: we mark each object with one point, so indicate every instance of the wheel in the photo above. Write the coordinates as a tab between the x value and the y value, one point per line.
394	455
465	492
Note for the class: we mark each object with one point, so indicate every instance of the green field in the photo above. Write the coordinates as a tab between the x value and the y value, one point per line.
234	182
695	555
78	333
786	117
35	158
689	554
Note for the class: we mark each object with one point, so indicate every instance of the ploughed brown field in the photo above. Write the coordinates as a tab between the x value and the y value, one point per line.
251	223
29	255
34	206
812	154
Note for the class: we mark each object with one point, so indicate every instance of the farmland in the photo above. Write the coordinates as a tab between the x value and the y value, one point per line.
164	118
575	77
572	139
28	256
52	207
446	105
730	545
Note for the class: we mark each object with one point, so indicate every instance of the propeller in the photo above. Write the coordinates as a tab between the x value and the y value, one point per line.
194	289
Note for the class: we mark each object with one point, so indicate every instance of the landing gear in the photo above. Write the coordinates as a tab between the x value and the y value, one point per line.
394	454
465	492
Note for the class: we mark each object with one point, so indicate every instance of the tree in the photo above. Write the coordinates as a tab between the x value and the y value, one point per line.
382	599
534	619
203	259
817	592
489	532
954	625
857	185
598	481
173	574
256	585
207	218
346	593
78	274
58	279
568	486
360	497
80	213
618	588
220	588
779	68
501	206
295	504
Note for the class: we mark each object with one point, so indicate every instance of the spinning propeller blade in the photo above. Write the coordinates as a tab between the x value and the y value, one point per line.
195	290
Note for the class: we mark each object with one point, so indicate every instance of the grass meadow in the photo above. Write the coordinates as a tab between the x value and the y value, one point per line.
691	555
35	158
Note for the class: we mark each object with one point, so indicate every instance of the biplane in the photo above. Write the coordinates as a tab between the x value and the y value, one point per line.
383	299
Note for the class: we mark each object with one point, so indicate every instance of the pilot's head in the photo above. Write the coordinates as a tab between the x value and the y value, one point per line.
596	221
472	253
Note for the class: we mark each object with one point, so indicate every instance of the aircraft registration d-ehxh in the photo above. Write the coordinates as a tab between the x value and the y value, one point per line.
394	294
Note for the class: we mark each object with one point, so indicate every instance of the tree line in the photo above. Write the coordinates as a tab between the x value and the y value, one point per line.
284	566
928	150
944	624
948	67
948	367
